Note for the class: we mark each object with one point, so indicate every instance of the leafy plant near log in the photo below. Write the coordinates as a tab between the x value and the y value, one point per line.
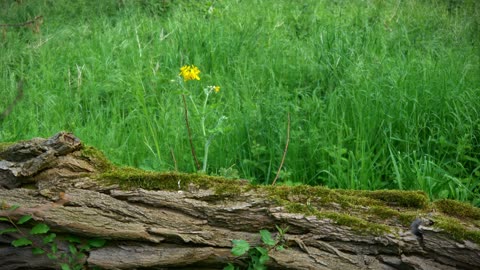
258	255
44	242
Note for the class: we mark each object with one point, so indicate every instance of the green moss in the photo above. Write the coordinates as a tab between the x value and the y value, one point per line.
300	193
363	211
129	178
5	145
457	209
357	224
383	212
343	219
395	198
299	208
97	158
406	218
321	195
228	188
454	228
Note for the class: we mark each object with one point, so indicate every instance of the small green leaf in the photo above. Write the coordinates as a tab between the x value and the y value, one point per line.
52	256
240	247
54	248
9	230
263	259
24	219
96	242
37	251
443	194
259	256
229	267
40	228
65	266
72	249
262	250
84	248
80	256
73	239
267	238
71	260
254	255
280	248
49	238
13	207
259	267
21	242
4	219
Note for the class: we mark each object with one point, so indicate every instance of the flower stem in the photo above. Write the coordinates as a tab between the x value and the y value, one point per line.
205	155
204	132
190	134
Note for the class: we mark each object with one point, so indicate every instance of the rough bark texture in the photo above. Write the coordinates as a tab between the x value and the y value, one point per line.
190	224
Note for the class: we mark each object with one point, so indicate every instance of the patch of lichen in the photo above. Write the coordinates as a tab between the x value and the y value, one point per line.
457	209
456	229
96	157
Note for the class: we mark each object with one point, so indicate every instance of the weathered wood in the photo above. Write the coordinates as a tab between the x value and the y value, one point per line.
190	224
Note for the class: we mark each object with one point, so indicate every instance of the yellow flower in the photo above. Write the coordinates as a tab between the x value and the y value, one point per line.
216	89
189	72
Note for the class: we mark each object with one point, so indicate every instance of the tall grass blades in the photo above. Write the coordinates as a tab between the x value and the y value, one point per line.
382	94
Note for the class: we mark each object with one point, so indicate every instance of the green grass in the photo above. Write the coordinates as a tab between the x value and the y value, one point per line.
382	94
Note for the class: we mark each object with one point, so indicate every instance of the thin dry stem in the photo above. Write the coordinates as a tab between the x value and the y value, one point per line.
174	159
284	150
10	107
190	134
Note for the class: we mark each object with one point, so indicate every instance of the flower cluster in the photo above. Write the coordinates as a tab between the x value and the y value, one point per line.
212	88
189	72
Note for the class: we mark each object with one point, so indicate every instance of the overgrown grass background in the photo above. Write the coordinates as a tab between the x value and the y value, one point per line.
382	94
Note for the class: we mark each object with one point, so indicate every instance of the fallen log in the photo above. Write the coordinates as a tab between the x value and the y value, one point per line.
155	220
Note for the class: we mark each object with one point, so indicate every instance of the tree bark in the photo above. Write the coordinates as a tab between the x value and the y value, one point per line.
190	222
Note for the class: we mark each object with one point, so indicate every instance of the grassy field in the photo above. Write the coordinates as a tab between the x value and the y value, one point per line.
381	94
